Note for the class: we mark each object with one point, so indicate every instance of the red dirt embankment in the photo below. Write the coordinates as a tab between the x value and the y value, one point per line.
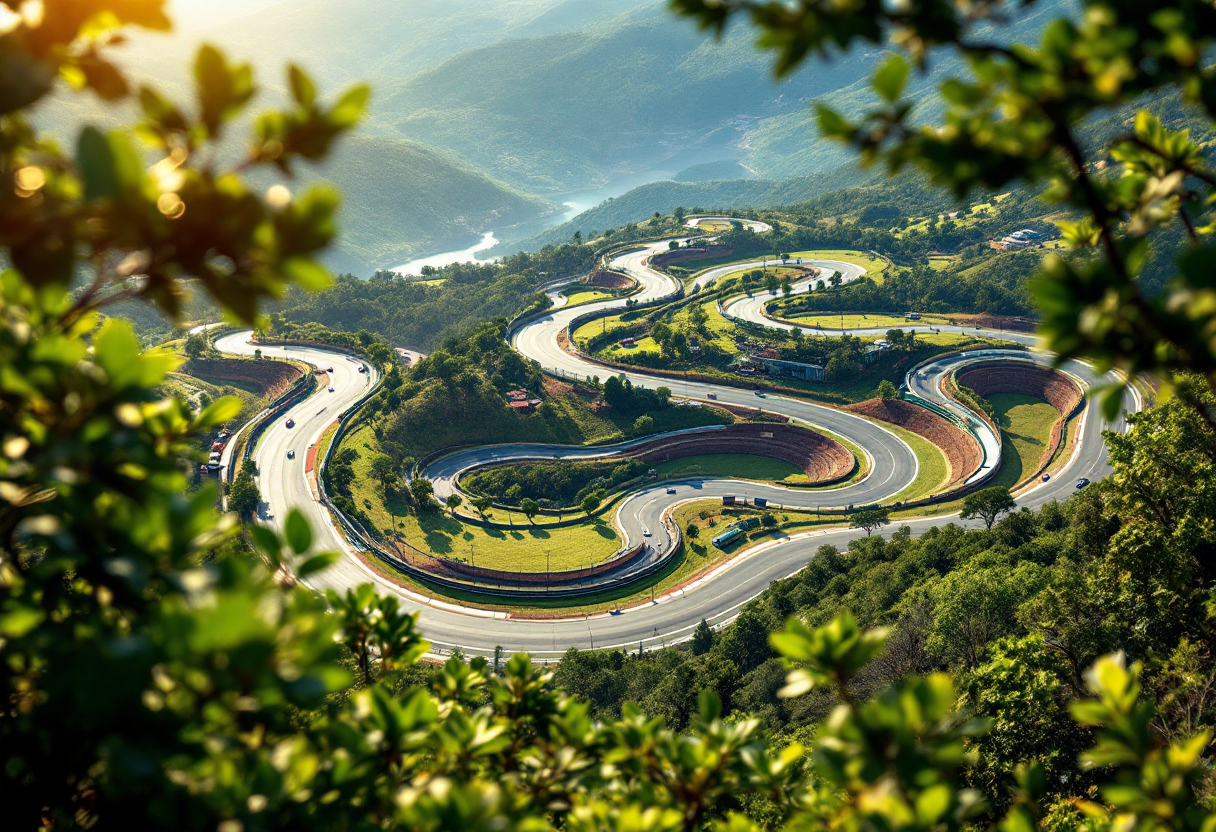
1052	386
962	451
604	279
270	378
823	459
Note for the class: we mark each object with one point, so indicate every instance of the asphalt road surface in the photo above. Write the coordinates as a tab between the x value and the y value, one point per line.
670	618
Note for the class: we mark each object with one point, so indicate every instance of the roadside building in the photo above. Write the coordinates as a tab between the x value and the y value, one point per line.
787	369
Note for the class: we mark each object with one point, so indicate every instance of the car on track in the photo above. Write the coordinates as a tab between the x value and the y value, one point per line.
331	389
329	369
291	454
1081	483
291	423
1046	477
671	491
645	532
711	395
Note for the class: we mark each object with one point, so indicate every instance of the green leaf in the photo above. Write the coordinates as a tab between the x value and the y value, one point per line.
96	163
221	410
891	78
317	563
303	90
306	272
268	542
350	107
20	621
831	123
297	531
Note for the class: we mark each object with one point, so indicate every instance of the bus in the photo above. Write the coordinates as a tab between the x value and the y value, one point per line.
725	539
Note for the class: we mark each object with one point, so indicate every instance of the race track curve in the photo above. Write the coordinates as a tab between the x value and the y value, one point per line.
670	618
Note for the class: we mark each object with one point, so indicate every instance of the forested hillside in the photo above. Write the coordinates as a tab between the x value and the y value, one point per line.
1016	615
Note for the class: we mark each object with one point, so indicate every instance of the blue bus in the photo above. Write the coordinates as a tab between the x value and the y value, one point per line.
726	538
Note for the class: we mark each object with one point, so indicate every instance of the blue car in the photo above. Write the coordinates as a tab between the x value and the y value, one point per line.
1081	483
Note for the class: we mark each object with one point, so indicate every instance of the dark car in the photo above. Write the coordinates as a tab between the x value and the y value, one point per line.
1046	477
671	491
291	454
1081	483
291	423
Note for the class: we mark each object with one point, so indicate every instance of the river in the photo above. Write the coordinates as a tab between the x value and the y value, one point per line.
575	202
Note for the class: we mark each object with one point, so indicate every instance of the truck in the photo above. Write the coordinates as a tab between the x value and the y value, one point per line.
728	501
760	502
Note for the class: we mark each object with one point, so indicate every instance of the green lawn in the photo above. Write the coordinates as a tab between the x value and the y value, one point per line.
826	320
1025	424
523	548
580	295
875	266
932	466
743	466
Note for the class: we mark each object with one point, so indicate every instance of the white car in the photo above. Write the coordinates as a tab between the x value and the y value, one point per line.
645	532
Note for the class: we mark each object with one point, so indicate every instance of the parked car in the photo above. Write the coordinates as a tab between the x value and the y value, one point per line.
1081	483
291	423
291	454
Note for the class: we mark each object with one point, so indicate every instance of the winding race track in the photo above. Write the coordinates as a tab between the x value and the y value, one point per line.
718	596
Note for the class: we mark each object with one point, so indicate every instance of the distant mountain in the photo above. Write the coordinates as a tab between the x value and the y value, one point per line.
567	111
642	202
714	171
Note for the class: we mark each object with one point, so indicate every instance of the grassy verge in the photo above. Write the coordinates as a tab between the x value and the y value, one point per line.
875	266
581	296
1025	424
696	559
827	320
525	547
743	466
932	466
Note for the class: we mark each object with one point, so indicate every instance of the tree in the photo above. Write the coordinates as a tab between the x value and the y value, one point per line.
383	469
243	494
673	245
453	502
529	507
702	638
197	344
768	520
988	504
481	505
870	519
771	282
693	530
643	425
422	489
887	390
590	503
